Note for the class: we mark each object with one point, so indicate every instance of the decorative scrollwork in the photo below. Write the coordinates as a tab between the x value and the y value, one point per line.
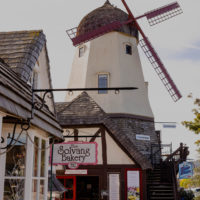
2	140
68	133
11	137
50	95
39	105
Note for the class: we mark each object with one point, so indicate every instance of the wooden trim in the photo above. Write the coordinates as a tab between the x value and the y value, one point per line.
38	167
73	187
64	126
47	153
29	168
102	126
76	134
144	184
95	135
104	146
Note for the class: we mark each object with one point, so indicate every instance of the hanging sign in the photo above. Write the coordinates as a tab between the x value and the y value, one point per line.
133	185
185	170
74	154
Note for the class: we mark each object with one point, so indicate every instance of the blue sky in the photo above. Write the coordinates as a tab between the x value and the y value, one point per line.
177	42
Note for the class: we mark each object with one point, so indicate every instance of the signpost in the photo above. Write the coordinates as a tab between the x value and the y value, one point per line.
185	170
142	137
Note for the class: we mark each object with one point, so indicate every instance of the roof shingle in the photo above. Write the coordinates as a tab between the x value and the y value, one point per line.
83	110
20	50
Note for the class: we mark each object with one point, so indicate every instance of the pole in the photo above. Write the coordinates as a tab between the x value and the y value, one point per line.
51	185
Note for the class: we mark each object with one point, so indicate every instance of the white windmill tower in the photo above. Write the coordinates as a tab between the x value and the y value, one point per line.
106	55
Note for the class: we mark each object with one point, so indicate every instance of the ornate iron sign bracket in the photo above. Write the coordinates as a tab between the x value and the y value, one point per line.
40	103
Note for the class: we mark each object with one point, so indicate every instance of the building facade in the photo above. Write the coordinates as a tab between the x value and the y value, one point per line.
120	125
25	135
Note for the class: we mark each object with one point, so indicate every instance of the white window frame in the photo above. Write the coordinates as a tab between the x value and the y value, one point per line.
108	81
28	177
81	51
38	178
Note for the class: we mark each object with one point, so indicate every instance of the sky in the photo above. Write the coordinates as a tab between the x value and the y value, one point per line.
176	40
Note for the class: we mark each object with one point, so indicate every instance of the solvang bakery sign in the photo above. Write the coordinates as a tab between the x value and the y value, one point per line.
74	154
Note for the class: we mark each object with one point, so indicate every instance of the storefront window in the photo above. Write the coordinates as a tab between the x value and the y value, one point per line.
16	157
43	159
35	157
15	168
14	189
41	189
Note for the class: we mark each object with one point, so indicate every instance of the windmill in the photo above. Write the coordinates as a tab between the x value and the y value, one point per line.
154	17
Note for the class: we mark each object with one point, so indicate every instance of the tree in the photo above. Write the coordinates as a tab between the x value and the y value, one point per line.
194	126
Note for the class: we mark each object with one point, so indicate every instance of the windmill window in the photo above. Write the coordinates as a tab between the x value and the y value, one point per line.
128	49
81	51
102	83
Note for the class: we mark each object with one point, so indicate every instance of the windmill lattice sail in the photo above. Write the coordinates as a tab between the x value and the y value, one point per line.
77	40
164	13
160	69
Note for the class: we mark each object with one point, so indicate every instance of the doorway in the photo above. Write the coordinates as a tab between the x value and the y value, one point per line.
87	187
69	182
80	187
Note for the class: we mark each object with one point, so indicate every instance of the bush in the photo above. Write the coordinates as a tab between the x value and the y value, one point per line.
186	195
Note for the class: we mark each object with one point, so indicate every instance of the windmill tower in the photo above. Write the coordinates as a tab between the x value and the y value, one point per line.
122	124
106	55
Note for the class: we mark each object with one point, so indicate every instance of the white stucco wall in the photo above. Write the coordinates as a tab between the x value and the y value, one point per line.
106	54
115	155
41	67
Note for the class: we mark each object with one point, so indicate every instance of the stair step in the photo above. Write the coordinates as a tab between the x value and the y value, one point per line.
161	198
160	185
153	193
162	190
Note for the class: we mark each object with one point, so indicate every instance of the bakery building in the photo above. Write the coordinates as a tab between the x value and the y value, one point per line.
99	158
111	146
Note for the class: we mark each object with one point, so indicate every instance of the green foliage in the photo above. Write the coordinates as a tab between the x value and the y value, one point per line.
195	124
185	183
187	195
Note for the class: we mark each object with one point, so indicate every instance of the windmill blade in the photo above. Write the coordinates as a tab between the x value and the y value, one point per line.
95	33
163	13
155	60
160	69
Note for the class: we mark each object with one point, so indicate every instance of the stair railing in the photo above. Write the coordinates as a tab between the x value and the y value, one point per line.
174	180
179	155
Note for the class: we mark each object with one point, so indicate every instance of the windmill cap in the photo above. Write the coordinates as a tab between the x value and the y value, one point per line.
102	16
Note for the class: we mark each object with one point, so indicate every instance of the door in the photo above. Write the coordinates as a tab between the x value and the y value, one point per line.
69	183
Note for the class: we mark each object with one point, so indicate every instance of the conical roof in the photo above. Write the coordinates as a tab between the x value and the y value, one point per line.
104	15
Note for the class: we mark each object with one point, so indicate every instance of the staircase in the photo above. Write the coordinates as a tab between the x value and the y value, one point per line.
162	181
160	184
